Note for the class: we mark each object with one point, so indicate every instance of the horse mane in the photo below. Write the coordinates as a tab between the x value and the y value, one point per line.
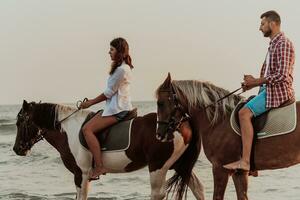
202	94
45	115
64	111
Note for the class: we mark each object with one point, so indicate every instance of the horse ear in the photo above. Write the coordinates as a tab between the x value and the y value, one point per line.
167	82
25	105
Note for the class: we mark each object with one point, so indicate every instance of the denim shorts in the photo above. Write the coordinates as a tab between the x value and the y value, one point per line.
121	115
257	105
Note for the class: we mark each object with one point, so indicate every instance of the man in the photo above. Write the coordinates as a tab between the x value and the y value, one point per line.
275	83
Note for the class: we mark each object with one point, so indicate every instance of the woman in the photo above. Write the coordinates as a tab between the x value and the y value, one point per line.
117	97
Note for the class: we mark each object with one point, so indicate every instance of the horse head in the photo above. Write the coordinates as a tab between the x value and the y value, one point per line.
32	120
170	112
27	130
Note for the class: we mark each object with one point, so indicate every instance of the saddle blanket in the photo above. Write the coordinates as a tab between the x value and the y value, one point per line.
279	121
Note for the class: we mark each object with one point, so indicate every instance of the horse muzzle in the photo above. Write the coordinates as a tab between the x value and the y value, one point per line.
20	152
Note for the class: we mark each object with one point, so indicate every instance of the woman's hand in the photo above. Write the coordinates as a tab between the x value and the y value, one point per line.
85	104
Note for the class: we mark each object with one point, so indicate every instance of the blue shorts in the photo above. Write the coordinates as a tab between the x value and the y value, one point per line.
257	105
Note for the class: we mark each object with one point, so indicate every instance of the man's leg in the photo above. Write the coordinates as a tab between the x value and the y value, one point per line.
245	116
254	107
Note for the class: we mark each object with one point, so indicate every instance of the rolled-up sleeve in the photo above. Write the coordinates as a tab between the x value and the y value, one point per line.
284	54
114	82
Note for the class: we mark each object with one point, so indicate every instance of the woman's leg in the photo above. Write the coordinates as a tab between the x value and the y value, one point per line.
97	123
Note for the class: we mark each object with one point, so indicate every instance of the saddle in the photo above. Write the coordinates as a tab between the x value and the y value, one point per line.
114	138
269	123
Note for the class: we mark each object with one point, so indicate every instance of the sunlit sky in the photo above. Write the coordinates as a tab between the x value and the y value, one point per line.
57	50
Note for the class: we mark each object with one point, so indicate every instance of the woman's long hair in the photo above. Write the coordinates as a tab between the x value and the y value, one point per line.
122	48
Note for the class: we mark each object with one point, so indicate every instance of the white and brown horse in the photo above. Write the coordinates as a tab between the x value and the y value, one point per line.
42	120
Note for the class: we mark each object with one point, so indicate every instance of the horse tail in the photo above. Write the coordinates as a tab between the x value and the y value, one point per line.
178	183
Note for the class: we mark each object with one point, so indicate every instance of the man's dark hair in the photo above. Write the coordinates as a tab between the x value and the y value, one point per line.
272	16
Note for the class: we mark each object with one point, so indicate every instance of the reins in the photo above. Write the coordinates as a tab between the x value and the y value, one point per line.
226	96
78	108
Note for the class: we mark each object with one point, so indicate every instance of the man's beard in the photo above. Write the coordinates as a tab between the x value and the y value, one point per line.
268	33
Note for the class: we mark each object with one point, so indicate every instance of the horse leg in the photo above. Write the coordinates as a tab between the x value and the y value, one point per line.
85	164
220	182
241	185
197	187
158	181
82	192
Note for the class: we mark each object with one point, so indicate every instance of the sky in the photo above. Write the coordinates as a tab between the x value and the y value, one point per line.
57	50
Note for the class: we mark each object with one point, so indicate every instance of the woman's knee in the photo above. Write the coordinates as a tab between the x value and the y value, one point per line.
86	129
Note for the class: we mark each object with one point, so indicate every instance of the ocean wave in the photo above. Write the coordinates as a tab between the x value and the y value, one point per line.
7	122
24	196
7	126
5	145
8	129
18	196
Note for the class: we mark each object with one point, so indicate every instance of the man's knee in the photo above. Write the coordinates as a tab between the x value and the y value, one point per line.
245	114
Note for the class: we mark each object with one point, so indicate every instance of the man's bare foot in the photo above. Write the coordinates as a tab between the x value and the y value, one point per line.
253	173
96	172
238	165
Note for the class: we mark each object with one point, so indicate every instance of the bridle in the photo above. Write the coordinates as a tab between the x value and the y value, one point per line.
27	122
174	124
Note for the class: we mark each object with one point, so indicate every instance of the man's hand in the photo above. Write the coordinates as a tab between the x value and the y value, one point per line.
249	82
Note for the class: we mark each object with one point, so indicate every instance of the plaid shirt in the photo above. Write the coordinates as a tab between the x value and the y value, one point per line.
280	71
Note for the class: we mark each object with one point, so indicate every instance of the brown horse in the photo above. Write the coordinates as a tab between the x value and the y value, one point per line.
221	145
42	120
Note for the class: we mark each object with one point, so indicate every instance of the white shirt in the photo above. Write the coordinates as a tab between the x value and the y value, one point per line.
118	91
267	63
267	59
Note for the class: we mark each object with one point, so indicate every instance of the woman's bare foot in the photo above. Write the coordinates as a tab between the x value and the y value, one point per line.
96	172
243	165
